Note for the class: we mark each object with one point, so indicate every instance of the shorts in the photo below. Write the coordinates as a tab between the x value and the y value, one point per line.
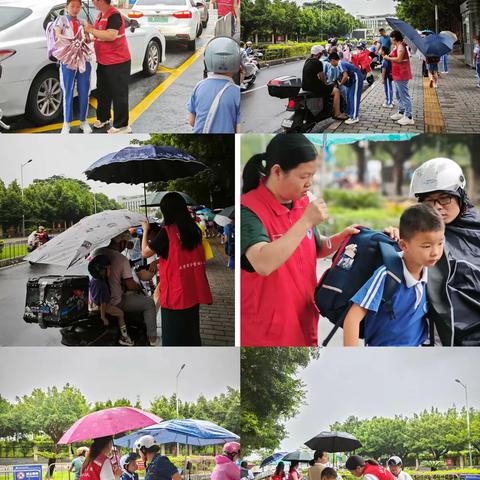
432	67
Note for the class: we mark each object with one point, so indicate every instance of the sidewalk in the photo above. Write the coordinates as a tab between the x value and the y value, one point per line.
217	321
447	109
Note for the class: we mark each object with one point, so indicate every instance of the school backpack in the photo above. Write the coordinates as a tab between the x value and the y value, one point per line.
353	264
51	40
230	243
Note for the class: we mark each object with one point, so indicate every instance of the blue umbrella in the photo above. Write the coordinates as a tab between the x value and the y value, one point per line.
412	37
437	45
272	459
148	163
342	139
187	431
427	32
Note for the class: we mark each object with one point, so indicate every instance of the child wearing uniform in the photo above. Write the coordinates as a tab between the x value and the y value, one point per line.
432	67
68	26
355	79
214	106
128	463
99	269
387	83
476	52
401	322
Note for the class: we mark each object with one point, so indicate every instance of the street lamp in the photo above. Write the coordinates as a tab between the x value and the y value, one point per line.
21	186
176	394
468	421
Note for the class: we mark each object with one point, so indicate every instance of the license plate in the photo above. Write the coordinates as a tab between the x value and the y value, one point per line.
158	19
287	123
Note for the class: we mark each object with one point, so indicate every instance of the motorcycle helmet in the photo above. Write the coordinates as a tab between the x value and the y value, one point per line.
438	174
397	461
222	55
127	458
98	265
146	442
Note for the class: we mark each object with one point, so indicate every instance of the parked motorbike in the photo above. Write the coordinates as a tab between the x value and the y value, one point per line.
308	108
251	71
61	301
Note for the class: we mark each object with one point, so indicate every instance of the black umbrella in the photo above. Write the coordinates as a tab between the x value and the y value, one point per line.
333	442
148	163
158	197
299	455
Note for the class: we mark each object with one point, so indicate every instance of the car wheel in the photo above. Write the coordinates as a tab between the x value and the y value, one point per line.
44	102
153	57
191	45
200	29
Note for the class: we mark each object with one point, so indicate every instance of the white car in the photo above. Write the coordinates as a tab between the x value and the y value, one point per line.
176	19
29	81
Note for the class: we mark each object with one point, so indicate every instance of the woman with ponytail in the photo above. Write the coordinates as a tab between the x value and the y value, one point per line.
97	464
280	245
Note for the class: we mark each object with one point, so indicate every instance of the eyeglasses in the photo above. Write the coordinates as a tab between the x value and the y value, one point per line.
442	201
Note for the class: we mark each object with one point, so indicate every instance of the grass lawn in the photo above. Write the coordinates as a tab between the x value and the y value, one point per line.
12	251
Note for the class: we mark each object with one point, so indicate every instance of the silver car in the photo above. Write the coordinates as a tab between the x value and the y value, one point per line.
29	81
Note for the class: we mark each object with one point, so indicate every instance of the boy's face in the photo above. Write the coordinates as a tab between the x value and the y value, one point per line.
132	466
328	477
73	8
424	248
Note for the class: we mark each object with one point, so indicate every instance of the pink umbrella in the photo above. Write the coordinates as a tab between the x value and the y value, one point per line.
108	422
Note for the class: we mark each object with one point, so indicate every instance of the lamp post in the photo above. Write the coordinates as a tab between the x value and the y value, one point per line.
468	421
176	394
21	186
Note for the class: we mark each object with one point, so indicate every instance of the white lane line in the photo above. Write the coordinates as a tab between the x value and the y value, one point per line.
252	90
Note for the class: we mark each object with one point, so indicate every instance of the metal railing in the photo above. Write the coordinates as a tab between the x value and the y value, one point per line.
11	250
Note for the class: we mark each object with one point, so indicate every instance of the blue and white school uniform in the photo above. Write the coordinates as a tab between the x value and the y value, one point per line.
388	84
405	325
68	77
355	88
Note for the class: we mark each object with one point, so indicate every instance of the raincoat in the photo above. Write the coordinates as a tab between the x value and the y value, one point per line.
225	469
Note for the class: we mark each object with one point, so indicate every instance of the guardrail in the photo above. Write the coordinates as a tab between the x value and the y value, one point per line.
12	251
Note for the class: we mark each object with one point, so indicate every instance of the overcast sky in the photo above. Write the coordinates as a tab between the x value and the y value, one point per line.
68	155
112	373
366	7
406	380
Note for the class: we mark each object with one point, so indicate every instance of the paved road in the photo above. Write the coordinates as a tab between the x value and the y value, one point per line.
262	113
217	321
157	103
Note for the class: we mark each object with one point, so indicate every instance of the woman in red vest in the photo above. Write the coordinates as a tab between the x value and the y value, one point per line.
113	67
401	75
97	464
280	245
369	469
183	279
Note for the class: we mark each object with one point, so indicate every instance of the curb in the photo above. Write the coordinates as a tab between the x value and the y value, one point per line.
280	61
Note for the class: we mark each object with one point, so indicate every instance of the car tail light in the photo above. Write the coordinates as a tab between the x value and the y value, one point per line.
183	14
135	14
291	103
4	54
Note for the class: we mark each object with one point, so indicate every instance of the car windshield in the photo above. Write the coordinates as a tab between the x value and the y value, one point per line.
141	3
11	15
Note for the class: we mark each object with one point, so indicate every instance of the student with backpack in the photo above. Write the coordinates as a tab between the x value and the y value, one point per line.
280	245
402	321
97	464
214	106
129	465
70	26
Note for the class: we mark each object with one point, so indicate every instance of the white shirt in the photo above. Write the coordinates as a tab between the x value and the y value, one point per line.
106	473
411	281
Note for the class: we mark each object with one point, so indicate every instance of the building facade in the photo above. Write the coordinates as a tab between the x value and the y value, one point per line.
374	22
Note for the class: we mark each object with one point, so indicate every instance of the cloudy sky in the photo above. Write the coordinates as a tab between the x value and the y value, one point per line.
406	381
366	7
67	155
112	373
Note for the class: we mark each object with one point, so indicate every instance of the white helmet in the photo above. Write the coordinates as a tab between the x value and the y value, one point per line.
394	461
146	441
437	174
222	55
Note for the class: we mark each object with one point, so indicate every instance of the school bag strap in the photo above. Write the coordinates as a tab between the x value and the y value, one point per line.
214	107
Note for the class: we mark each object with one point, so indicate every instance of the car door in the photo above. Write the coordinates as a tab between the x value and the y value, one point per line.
137	44
196	15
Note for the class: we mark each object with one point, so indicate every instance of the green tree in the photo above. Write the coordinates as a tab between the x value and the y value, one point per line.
271	393
121	402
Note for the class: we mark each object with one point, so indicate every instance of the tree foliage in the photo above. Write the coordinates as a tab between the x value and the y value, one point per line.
271	393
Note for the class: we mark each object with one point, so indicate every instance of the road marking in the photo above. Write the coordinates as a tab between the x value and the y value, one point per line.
253	89
162	69
140	108
434	121
152	96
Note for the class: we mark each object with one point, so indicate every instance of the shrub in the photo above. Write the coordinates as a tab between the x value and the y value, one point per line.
354	199
289	50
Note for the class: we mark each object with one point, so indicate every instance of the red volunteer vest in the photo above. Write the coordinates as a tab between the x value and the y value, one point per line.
111	53
92	472
380	472
279	310
183	279
403	70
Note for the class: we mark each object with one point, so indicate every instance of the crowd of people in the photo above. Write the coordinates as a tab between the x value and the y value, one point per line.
438	245
100	462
